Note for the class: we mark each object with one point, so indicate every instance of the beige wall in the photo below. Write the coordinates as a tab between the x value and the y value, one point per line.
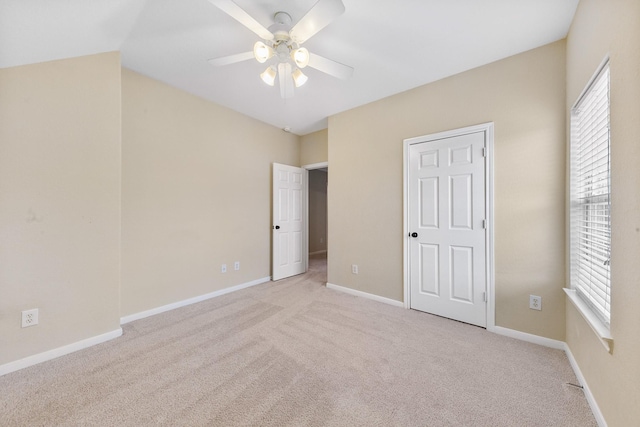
524	96
317	211
196	194
196	188
313	148
613	28
59	202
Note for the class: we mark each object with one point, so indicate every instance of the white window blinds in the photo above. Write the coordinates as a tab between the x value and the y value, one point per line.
590	201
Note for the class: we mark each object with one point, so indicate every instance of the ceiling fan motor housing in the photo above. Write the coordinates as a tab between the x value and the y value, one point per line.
282	18
281	27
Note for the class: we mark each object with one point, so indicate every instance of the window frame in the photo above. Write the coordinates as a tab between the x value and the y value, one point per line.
590	204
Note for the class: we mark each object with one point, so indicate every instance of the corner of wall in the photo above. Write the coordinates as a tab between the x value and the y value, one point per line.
60	186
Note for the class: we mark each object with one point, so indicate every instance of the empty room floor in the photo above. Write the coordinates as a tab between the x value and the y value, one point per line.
294	353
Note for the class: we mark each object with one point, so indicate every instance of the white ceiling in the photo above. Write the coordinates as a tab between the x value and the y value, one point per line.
394	46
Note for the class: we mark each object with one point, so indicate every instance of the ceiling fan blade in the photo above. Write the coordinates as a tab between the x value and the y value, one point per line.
230	59
239	14
286	81
330	67
320	15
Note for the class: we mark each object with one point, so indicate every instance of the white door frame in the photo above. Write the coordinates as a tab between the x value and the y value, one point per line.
487	128
305	227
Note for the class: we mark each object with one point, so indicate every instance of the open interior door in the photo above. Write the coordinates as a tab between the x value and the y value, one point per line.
288	229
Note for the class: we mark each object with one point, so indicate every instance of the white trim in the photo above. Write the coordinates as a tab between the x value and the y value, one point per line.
487	128
489	210
601	331
587	392
57	352
305	226
589	166
365	295
523	336
591	82
316	166
183	303
406	291
560	345
318	252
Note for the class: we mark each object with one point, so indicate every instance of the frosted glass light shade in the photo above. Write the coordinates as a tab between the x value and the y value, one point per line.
262	52
300	56
299	78
269	75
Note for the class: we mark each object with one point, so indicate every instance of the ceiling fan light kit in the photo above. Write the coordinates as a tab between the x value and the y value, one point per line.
300	56
269	75
262	52
299	78
282	41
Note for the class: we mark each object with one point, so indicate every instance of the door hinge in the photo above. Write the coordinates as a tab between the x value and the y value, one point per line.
484	224
484	151
484	296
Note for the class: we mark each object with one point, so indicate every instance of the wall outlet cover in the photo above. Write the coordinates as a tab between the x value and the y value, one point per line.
29	317
535	302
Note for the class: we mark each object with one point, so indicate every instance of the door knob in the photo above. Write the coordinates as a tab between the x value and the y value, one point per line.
414	234
277	227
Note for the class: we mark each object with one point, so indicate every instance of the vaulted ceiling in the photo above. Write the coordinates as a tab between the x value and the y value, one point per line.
393	46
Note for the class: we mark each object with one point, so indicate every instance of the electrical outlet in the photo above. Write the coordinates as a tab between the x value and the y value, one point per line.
29	317
535	302
224	268
354	268
236	265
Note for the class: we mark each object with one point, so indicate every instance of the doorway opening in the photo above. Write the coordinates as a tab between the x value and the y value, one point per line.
317	224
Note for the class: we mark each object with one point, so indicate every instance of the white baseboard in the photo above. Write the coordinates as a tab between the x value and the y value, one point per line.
80	345
523	336
57	352
365	295
183	303
560	345
587	392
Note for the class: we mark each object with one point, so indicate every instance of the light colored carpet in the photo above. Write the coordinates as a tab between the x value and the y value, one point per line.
295	353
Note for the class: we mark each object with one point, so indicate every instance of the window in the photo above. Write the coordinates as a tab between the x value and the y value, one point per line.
590	202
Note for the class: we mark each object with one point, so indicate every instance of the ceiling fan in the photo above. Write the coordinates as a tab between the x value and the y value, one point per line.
282	41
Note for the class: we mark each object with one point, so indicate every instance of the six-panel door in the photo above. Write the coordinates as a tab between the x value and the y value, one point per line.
288	221
447	212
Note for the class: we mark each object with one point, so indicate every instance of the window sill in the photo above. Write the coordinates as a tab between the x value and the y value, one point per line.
602	332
